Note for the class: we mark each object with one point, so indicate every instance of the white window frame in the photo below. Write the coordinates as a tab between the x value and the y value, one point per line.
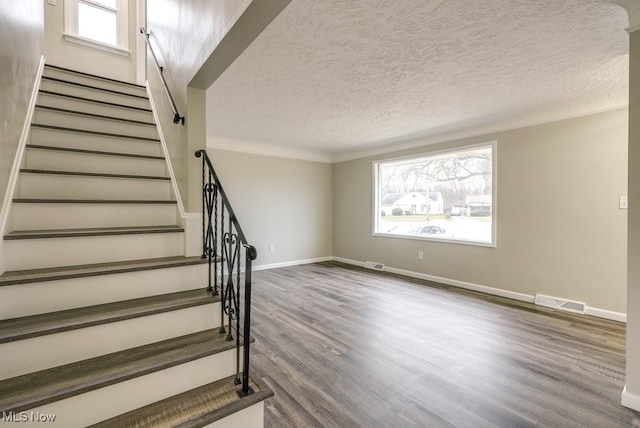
376	194
122	21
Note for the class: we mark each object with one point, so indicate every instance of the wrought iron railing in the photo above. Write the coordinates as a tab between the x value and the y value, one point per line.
225	246
177	118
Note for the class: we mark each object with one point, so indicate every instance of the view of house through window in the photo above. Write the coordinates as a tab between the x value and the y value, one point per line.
444	196
97	20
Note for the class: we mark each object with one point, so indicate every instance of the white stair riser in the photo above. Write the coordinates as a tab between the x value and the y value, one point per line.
50	296
252	416
82	187
94	107
78	140
70	161
39	353
51	252
92	94
69	120
36	216
101	404
88	80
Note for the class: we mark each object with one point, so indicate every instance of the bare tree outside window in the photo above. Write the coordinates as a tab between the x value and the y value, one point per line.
442	196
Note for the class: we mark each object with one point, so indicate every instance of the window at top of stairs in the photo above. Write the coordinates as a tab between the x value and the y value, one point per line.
101	24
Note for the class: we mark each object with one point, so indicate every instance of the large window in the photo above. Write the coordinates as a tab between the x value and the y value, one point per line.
101	24
445	196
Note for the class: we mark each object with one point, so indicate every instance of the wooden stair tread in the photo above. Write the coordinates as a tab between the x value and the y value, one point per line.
86	131
92	115
92	201
97	231
93	174
91	100
96	269
46	386
93	88
94	152
94	76
195	408
71	319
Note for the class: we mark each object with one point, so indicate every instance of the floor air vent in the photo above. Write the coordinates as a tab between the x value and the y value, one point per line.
374	265
558	303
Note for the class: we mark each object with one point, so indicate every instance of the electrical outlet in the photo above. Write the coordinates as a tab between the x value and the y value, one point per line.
272	248
624	202
420	255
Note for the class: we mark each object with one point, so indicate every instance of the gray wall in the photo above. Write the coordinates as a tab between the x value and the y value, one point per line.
559	229
195	41
286	203
21	46
183	34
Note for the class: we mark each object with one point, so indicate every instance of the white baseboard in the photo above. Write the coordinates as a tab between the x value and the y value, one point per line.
192	223
165	151
461	284
292	263
630	400
595	312
349	261
603	313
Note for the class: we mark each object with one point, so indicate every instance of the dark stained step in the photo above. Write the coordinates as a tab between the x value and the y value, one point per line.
81	73
86	131
46	386
92	201
97	231
195	408
96	269
94	152
91	100
72	319
93	174
93	88
93	115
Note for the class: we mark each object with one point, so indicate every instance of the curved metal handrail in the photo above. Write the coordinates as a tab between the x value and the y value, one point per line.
225	200
177	118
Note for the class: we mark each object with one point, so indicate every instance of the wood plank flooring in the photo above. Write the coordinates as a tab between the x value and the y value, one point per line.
348	347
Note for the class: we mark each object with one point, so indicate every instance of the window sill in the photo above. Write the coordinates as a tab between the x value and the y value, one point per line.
444	240
115	50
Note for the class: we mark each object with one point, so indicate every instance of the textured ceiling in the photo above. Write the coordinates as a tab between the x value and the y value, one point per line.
344	77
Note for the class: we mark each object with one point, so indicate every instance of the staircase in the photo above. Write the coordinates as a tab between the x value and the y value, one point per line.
103	320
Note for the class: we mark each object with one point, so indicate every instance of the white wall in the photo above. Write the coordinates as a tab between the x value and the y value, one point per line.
183	35
286	203
632	392
197	38
21	41
58	51
559	229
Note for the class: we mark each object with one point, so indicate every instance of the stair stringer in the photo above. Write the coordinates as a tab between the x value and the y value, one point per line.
15	169
191	222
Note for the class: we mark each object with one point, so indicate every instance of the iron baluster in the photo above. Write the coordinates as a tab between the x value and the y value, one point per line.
238	380
222	271
210	192
223	242
215	247
250	255
229	291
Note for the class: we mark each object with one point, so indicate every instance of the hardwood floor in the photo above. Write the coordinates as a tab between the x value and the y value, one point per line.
348	347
